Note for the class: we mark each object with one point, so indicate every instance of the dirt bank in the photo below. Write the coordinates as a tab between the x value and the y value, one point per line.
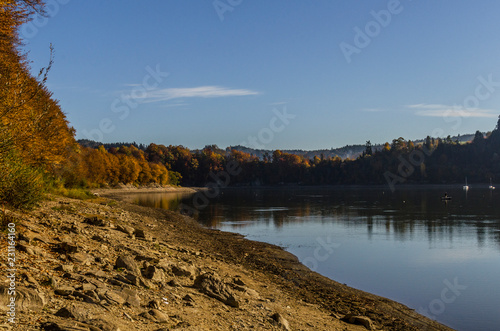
109	265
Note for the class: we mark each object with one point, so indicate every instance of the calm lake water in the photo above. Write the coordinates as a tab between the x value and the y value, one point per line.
440	258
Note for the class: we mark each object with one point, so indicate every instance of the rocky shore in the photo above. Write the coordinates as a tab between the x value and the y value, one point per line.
104	264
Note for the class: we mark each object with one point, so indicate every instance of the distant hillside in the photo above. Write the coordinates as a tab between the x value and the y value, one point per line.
349	151
346	152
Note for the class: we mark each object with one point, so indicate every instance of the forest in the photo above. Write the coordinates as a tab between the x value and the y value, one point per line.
433	161
39	153
38	150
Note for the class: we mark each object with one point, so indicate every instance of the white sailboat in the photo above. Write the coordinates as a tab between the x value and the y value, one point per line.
491	187
466	187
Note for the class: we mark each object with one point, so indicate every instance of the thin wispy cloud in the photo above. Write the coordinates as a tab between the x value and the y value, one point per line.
438	110
194	92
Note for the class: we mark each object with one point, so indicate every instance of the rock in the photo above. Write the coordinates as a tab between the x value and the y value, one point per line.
154	274
88	287
210	284
65	268
25	248
26	299
359	320
248	291
238	281
146	283
147	316
64	290
88	296
97	238
97	274
104	324
81	258
281	321
174	283
159	316
95	221
188	299
127	263
142	235
125	229
77	312
123	296
25	237
30	280
156	304
65	326
113	297
40	239
156	316
183	270
150	259
66	247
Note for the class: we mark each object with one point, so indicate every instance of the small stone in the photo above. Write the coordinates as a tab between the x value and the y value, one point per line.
114	297
174	283
183	270
359	320
88	287
65	268
188	298
142	235
154	304
159	316
88	296
81	258
64	290
67	247
125	229
97	273
73	311
154	274
281	321
238	281
147	316
128	263
97	238
95	221
25	248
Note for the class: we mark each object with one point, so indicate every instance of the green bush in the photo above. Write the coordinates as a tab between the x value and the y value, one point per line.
73	193
21	185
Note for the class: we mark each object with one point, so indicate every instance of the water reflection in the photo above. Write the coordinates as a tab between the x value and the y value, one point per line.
400	213
400	245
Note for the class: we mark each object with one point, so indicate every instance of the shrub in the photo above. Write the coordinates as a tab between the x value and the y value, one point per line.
21	185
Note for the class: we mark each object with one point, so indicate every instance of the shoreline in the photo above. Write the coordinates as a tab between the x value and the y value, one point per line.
162	189
297	277
105	264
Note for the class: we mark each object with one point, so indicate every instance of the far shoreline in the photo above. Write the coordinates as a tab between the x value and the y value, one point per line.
193	189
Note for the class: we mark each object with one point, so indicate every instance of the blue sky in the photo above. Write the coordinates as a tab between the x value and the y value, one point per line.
290	74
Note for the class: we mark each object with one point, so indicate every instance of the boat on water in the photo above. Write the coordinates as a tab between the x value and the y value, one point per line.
445	197
466	187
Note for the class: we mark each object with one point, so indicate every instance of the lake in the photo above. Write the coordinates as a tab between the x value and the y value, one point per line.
441	258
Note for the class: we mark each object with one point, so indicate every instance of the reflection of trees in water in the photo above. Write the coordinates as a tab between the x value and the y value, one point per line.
399	215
